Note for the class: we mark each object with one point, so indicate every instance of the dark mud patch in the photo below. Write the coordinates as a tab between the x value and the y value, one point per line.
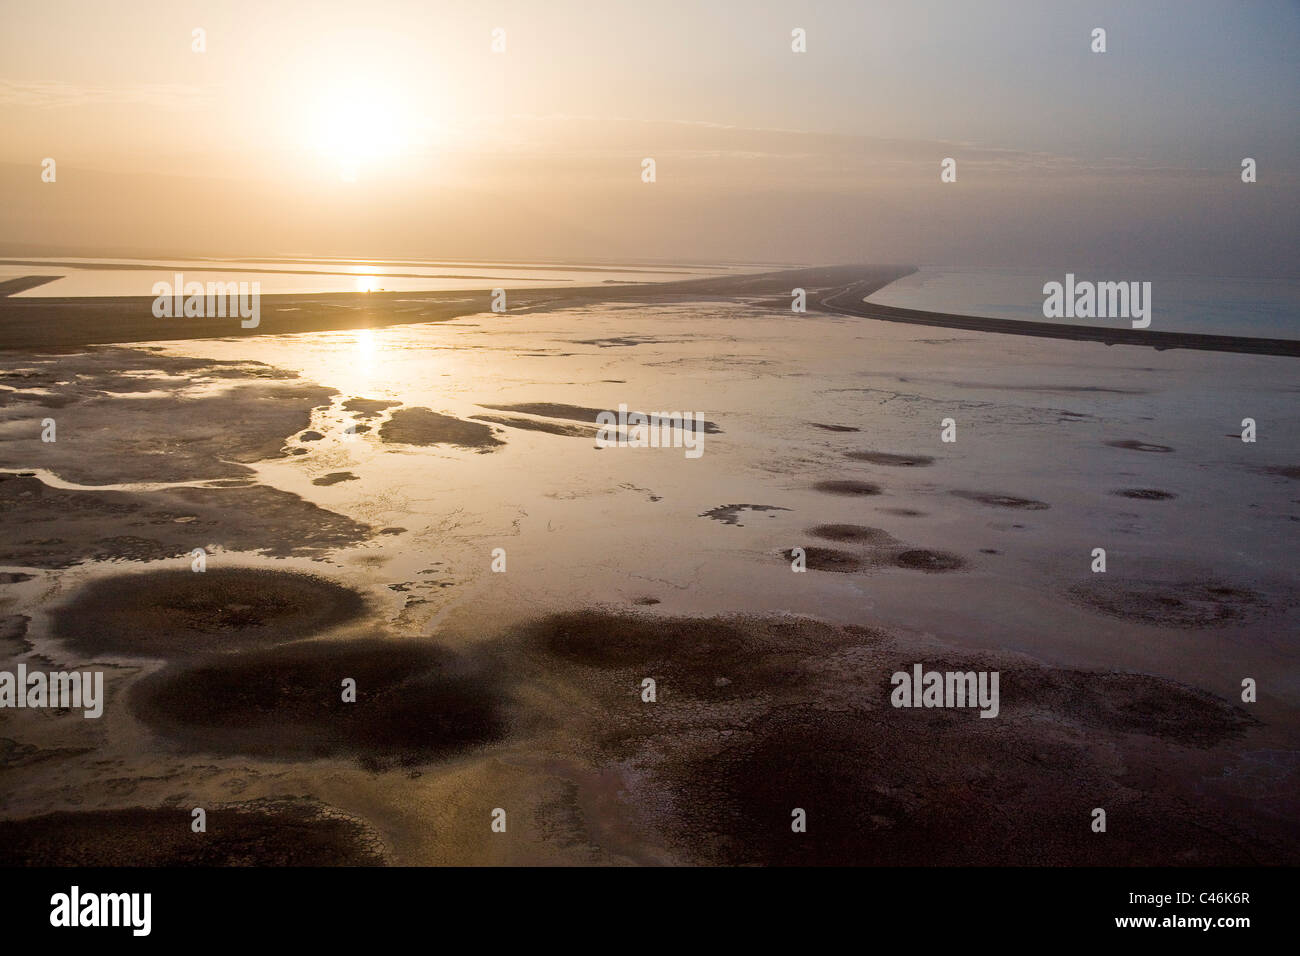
13	633
690	653
1286	471
56	528
1145	494
414	703
182	613
834	428
730	514
579	413
904	512
333	478
927	792
532	425
758	717
423	426
1002	501
292	832
847	487
922	559
854	534
890	460
622	341
829	559
880	549
1187	604
1135	704
310	436
1134	445
368	407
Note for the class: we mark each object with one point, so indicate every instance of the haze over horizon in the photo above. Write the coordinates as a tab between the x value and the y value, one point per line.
398	132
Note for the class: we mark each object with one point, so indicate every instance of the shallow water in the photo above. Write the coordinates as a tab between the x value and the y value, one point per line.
79	277
582	524
1224	305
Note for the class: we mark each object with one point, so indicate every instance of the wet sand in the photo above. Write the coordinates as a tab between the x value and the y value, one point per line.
352	491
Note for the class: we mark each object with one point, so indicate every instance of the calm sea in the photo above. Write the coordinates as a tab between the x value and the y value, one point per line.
1267	308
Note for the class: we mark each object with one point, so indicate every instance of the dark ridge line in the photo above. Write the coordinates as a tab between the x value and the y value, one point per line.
23	283
59	323
848	301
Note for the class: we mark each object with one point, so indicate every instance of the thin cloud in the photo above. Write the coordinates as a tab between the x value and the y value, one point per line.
55	94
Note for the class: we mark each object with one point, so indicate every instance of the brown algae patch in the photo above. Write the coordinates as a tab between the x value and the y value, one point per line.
423	426
181	613
284	832
1188	604
414	703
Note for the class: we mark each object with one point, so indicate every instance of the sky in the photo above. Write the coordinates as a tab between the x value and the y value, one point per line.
393	129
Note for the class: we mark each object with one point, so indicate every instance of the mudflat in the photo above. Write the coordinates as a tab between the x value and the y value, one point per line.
426	594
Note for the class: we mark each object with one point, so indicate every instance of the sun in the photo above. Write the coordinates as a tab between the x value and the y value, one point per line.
356	126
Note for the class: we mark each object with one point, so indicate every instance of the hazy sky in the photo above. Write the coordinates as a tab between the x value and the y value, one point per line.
392	129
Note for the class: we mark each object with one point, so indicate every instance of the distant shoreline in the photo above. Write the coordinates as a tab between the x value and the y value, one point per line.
60	323
849	301
50	323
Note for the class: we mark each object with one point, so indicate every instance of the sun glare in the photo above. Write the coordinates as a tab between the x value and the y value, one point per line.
358	126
